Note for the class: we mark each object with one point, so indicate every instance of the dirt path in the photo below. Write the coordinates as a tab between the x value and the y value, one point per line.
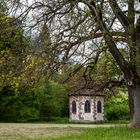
47	125
85	125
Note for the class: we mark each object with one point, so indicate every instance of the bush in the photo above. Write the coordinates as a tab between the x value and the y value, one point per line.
41	103
117	108
52	100
117	112
28	113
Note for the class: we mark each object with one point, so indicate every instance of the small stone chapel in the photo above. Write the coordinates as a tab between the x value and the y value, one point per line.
86	104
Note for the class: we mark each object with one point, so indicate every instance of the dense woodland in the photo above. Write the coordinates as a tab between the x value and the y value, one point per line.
46	47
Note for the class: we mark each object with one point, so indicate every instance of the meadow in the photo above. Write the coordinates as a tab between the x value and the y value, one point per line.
118	133
27	131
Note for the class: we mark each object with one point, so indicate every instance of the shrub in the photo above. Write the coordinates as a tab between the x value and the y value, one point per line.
51	100
117	112
28	113
116	108
41	103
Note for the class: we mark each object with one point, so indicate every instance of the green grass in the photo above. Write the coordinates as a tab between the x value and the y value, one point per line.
32	131
65	120
121	133
59	120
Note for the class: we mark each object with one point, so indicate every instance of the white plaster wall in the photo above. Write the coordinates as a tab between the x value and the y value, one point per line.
87	116
74	116
80	114
100	116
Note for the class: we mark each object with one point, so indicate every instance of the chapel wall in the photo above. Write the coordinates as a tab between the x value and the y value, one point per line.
80	114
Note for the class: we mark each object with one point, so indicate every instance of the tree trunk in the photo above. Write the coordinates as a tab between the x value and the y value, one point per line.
136	115
134	100
136	91
131	100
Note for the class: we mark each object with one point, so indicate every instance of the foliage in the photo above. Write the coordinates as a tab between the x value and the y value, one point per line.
20	71
42	103
16	106
118	112
116	108
52	100
22	97
106	68
13	45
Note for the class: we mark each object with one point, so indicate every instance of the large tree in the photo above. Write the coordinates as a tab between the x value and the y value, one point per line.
75	26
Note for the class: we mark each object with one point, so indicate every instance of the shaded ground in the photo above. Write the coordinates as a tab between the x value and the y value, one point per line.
18	131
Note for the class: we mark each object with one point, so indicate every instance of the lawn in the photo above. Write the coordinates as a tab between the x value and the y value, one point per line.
13	131
118	133
29	131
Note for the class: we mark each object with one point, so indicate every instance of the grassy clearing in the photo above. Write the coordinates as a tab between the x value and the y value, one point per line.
26	131
59	120
13	131
118	133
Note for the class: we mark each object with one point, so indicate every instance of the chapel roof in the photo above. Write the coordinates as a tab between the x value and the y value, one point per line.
88	88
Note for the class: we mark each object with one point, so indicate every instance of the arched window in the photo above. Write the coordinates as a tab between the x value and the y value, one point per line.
73	107
87	107
99	107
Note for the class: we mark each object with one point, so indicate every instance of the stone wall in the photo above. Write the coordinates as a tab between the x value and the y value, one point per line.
80	114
